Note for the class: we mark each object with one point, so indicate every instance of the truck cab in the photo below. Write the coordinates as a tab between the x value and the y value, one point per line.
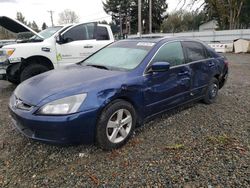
50	49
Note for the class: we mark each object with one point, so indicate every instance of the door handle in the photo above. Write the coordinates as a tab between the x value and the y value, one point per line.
185	81
88	46
183	73
211	64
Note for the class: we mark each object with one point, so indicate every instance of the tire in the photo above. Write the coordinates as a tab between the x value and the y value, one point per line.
32	70
111	132
212	92
13	80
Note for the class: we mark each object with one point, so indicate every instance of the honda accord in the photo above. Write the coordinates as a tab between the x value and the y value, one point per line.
105	97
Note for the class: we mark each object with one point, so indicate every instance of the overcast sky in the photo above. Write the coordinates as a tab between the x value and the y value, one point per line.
37	10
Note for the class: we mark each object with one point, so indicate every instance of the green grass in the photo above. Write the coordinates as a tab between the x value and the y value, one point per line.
222	139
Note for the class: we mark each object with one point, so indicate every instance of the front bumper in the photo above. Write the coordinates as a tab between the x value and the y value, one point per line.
70	129
223	79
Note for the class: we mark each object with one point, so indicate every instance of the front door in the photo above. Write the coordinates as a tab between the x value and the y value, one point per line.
167	89
79	43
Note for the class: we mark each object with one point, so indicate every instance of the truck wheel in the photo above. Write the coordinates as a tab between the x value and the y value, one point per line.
32	70
13	80
115	125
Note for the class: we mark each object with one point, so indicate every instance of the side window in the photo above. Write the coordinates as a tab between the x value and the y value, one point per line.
195	51
80	32
171	53
102	33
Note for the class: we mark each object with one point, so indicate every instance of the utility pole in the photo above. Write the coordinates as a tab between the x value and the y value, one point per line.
139	18
150	16
120	19
51	17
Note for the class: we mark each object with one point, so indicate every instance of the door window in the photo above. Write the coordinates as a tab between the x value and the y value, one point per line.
102	33
80	32
171	53
195	51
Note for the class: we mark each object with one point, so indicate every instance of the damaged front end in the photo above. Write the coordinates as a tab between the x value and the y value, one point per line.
4	62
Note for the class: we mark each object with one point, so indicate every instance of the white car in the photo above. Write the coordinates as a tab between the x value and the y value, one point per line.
50	49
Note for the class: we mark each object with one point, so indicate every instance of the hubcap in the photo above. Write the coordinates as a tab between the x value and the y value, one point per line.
214	90
119	126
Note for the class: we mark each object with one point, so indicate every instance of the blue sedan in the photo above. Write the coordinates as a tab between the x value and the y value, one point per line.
105	97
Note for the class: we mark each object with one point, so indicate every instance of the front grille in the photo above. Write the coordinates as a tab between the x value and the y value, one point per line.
19	104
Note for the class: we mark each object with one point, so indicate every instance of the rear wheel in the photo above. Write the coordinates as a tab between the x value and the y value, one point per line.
32	70
115	125
212	92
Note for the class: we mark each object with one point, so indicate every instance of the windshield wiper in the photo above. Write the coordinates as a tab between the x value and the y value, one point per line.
98	66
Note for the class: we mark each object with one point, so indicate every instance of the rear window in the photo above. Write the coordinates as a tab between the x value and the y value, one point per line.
194	51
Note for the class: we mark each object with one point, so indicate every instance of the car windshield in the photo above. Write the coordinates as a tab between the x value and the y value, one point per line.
123	55
47	33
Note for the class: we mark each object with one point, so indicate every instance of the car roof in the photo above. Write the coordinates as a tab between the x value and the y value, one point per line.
162	39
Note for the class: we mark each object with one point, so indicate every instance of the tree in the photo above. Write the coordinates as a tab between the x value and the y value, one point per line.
173	23
128	10
226	12
103	22
5	34
44	26
34	26
21	18
181	21
245	16
230	14
159	7
68	17
117	9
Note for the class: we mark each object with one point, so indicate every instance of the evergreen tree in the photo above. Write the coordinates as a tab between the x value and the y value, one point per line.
21	18
34	26
44	26
129	13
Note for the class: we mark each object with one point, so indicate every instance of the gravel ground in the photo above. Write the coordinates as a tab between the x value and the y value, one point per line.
194	146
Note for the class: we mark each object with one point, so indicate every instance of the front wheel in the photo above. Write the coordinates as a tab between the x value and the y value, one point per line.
212	92
115	125
32	70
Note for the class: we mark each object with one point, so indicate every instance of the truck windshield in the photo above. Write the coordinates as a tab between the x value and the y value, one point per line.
49	31
123	55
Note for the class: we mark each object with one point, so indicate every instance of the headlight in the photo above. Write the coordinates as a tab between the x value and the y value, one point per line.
5	53
9	51
64	106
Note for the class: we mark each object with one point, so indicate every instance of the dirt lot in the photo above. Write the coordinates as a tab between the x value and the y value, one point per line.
195	146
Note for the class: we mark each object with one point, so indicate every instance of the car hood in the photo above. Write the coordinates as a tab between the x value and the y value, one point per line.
15	26
70	79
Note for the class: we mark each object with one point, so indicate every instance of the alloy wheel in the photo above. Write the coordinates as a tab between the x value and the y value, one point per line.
119	126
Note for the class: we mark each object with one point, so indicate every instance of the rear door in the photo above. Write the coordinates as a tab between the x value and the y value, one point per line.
168	89
201	64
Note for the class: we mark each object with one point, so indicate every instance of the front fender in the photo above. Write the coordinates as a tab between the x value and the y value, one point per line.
131	94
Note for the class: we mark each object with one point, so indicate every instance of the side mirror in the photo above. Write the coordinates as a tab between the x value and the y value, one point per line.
59	39
159	67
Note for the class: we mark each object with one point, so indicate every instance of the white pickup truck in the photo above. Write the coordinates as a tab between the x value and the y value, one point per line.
49	49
